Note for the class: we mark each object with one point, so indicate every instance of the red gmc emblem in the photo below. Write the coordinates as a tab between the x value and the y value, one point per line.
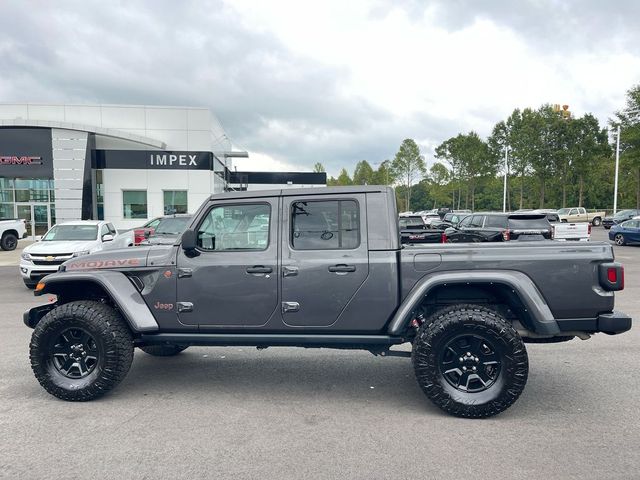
24	160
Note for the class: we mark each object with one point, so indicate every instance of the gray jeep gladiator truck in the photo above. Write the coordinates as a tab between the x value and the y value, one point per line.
324	268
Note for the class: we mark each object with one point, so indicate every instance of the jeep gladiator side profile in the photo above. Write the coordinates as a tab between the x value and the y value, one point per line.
324	268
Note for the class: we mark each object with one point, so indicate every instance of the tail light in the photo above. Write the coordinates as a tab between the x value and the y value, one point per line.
611	276
506	235
443	238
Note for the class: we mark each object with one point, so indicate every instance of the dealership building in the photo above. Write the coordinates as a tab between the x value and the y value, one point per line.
120	163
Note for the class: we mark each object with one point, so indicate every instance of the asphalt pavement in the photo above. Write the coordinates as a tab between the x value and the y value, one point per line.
297	413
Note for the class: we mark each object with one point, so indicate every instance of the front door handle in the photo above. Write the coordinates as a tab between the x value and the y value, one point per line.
289	271
258	269
342	268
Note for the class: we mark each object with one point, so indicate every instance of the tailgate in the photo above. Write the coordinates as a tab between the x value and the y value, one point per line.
571	231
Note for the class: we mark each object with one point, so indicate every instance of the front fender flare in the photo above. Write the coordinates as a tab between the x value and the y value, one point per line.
543	321
119	288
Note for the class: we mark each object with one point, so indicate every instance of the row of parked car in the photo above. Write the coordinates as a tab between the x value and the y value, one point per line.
463	226
74	239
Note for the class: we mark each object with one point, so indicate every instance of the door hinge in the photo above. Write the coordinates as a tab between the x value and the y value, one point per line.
289	307
184	307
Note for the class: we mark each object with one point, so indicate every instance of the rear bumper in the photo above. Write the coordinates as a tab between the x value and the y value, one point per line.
614	322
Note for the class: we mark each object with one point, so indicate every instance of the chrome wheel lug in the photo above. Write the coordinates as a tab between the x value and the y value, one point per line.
464	369
474	369
461	359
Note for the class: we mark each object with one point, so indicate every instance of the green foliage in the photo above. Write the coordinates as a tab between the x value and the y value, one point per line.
363	174
408	166
318	168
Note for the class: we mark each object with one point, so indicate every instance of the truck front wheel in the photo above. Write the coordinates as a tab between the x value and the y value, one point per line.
470	361
81	350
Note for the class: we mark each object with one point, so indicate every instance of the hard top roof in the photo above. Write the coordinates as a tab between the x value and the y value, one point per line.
287	192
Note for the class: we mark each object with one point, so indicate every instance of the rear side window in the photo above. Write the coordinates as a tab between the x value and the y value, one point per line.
325	225
496	221
527	223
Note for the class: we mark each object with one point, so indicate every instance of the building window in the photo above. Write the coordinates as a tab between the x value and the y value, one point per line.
99	195
325	225
134	204
175	201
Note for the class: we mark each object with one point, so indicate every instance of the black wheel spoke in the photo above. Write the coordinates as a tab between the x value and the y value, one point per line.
75	353
470	363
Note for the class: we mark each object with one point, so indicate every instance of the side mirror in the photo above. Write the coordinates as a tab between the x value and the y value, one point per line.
147	233
189	241
107	237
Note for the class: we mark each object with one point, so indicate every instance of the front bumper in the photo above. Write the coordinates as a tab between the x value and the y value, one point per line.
31	272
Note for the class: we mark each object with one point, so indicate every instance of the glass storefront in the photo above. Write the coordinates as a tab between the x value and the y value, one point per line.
29	199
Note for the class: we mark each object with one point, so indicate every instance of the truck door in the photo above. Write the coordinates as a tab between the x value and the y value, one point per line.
325	257
233	279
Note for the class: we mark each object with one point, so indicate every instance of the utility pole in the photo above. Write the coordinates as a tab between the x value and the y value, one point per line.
504	193
615	182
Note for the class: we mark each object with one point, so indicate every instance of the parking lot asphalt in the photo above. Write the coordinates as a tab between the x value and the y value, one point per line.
297	413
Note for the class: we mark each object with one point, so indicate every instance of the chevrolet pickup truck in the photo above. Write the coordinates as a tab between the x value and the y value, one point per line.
579	214
324	268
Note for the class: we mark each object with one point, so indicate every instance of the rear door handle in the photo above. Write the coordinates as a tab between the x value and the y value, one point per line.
257	269
342	268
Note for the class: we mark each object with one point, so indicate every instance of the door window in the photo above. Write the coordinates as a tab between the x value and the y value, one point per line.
325	225
496	221
476	221
465	221
235	227
573	211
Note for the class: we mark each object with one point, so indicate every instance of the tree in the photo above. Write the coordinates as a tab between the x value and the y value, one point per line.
590	147
383	175
408	165
344	178
318	168
363	174
629	121
439	177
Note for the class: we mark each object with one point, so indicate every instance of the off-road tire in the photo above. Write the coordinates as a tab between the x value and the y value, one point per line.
112	341
454	324
163	350
596	221
8	242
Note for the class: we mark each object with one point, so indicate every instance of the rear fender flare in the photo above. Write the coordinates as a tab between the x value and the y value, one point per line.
117	286
543	321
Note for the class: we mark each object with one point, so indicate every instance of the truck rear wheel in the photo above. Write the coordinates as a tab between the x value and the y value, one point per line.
8	242
163	350
81	350
596	221
470	361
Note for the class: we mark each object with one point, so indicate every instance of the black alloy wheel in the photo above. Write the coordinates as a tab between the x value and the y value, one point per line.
470	363
75	353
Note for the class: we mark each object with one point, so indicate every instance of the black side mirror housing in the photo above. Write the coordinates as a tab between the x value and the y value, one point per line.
189	241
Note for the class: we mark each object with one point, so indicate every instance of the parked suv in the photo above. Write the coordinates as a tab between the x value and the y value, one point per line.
499	227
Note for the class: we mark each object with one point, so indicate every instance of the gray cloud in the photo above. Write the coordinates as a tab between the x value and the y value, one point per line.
269	99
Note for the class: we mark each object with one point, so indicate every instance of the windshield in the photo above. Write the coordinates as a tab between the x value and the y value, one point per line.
172	226
71	232
564	211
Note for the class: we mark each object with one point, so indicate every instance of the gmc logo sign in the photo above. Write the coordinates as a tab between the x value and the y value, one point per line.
24	160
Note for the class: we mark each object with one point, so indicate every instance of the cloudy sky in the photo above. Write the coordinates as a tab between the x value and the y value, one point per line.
337	81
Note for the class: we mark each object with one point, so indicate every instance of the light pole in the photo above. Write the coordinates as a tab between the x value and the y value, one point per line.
506	170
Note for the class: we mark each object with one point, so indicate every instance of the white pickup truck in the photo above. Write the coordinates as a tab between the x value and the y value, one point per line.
10	232
571	231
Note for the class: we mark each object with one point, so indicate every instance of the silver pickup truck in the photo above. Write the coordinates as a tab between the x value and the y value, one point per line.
324	268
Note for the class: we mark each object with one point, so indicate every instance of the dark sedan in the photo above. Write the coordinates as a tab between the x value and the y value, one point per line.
625	232
621	216
500	227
